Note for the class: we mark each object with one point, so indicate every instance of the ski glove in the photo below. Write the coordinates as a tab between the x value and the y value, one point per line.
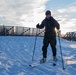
37	26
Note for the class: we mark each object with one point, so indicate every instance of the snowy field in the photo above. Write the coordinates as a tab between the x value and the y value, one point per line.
16	55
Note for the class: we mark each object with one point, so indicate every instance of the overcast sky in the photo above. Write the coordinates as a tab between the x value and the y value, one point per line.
28	13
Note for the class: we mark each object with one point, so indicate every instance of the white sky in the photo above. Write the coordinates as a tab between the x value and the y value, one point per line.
28	13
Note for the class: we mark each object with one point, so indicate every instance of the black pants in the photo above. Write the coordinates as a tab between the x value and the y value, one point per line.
46	42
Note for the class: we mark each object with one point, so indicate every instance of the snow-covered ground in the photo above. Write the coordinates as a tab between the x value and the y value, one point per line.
16	55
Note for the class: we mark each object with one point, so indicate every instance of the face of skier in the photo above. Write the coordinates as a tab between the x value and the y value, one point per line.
48	16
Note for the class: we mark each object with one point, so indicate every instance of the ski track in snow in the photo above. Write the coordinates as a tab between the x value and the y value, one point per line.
16	55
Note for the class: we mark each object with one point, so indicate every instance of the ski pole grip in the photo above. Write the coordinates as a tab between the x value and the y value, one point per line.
59	33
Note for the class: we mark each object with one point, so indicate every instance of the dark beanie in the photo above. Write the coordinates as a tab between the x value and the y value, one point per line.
48	12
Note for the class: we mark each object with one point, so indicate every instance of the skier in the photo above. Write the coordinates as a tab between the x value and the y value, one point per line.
50	35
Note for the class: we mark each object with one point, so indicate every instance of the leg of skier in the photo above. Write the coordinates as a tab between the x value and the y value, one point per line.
44	50
53	46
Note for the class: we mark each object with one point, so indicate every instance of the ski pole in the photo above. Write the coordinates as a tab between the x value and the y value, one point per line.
59	33
34	46
35	43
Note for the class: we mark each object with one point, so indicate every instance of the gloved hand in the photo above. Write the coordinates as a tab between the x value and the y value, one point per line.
59	31
37	26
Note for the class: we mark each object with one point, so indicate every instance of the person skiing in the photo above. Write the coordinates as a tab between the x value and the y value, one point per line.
49	36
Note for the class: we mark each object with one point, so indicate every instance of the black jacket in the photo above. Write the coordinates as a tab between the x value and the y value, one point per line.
50	25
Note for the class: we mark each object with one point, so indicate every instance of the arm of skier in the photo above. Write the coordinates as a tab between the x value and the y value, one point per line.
40	26
57	25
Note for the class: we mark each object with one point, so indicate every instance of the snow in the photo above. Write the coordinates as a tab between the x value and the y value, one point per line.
16	55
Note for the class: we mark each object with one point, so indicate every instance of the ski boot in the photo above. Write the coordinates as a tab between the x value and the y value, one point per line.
43	60
54	58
